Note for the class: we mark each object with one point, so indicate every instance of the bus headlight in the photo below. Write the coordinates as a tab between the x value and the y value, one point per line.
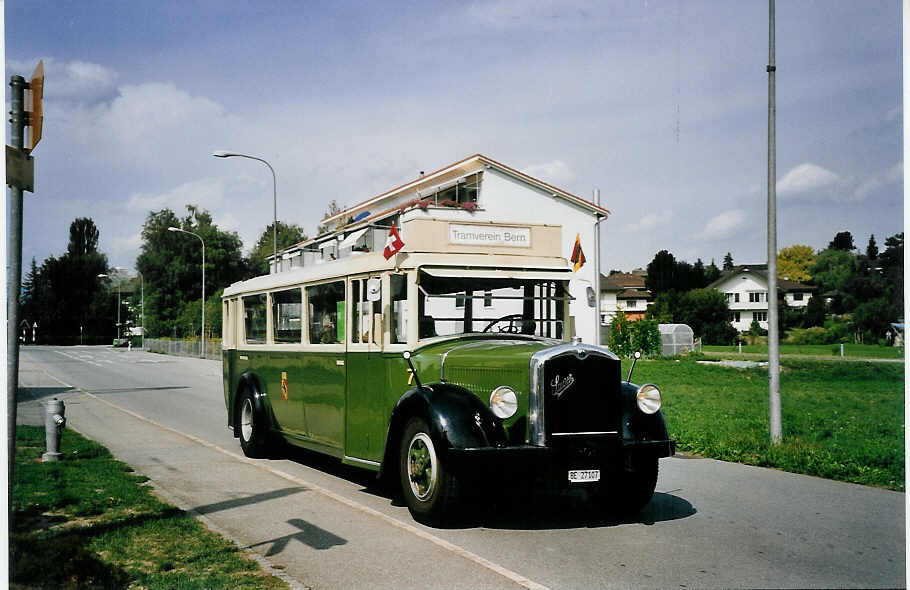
503	402
648	397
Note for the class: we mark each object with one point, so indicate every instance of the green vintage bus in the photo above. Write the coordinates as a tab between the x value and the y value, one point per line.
446	368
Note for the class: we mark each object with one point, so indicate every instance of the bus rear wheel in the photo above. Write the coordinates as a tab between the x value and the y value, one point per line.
430	490
253	432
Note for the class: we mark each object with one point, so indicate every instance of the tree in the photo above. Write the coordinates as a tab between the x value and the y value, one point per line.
172	266
832	269
707	313
332	209
712	273
65	296
794	262
815	312
728	261
842	241
871	319
288	235
872	248
661	273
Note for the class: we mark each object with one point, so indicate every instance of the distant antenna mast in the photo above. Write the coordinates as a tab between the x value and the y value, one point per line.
773	336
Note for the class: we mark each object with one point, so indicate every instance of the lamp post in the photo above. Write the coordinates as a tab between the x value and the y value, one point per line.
172	228
105	275
224	154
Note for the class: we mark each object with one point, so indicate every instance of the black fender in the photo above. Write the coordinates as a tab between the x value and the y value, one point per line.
457	419
636	425
249	381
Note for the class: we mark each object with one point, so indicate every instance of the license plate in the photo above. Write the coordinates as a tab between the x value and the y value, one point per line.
584	475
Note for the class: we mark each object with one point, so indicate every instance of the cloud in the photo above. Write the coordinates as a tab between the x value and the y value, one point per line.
892	175
806	179
724	224
555	172
650	221
71	80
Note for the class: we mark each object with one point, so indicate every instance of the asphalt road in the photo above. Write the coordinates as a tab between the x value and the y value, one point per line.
711	524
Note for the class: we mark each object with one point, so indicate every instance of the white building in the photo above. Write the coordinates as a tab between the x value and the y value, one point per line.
476	189
746	289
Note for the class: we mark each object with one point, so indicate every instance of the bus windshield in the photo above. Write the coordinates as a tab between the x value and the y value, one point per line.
450	304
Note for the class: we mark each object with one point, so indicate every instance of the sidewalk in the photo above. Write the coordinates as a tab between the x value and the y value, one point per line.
315	537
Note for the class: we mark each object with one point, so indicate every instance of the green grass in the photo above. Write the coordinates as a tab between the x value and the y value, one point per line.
840	420
850	350
88	521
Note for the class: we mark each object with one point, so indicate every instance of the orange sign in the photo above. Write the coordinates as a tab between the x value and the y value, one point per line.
36	118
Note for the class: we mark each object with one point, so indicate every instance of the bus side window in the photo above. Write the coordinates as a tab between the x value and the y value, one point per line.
254	312
326	317
399	300
286	308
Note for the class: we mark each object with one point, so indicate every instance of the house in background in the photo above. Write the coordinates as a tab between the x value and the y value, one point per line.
624	292
746	289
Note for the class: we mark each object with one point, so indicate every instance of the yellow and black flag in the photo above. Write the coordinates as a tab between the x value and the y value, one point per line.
578	257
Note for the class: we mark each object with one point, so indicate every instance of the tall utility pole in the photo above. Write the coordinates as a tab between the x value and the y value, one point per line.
773	335
19	176
13	281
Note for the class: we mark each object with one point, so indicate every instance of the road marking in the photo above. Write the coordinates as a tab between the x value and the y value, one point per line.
76	358
457	550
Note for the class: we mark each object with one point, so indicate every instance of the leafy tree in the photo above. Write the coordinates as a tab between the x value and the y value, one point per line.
65	296
728	261
842	241
815	312
872	319
832	269
661	273
332	209
288	235
707	313
172	266
794	262
645	338
620	335
712	273
891	264
872	248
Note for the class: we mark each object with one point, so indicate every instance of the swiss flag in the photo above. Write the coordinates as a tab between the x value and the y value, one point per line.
393	243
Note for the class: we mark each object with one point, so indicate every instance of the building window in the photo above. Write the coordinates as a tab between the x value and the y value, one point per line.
734	316
797	297
736	298
488	298
459	300
631	304
760	316
758	297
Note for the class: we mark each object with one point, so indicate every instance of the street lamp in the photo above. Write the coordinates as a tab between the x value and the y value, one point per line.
224	154
172	228
105	275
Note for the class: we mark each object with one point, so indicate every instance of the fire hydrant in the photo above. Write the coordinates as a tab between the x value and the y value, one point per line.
54	423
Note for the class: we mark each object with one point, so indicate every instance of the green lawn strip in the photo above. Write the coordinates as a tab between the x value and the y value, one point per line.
88	521
841	421
831	350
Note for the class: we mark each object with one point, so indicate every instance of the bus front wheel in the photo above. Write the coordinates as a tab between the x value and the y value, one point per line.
430	490
253	432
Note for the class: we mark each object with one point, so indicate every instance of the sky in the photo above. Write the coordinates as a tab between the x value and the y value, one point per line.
662	105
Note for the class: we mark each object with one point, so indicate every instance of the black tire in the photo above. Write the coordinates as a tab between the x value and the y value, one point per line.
634	491
430	490
253	431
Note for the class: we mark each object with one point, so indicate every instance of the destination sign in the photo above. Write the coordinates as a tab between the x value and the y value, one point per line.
489	235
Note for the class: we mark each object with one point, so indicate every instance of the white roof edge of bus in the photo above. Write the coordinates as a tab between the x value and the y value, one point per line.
375	262
563	275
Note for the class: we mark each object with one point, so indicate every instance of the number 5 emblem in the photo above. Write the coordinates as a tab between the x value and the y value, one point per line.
284	386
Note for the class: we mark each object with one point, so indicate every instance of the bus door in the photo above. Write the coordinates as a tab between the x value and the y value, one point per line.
365	423
323	365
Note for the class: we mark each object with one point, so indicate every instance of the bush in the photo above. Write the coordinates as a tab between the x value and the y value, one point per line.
627	337
814	335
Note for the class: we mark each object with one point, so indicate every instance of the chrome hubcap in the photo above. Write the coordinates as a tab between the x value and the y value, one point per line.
246	420
422	465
